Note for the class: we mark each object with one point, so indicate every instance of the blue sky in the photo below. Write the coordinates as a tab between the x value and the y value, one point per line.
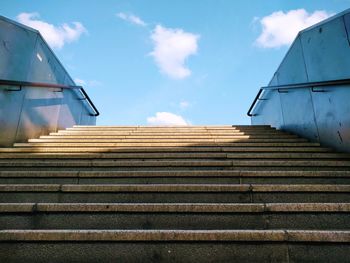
171	62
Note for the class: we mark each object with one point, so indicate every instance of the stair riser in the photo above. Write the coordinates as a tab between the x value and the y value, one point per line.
201	197
216	144
175	180
167	133
171	129
68	150
165	140
9	157
190	221
151	252
106	137
178	168
129	163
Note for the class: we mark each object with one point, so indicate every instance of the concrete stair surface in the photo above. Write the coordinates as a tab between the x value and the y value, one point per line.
173	194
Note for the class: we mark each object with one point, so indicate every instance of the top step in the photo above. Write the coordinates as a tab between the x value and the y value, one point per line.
170	126
134	128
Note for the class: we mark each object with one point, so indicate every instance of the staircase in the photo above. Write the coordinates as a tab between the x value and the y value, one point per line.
173	194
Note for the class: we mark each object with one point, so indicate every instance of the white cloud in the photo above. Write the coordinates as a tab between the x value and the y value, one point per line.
89	83
56	36
171	49
184	104
280	29
80	82
167	118
132	19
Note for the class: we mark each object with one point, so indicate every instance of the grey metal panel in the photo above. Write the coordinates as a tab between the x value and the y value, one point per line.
16	50
85	117
10	110
269	110
39	113
326	51
274	80
44	67
93	120
332	110
298	113
70	110
346	19
292	68
25	56
68	81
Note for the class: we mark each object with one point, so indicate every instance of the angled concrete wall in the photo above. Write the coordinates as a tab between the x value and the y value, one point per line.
31	112
319	53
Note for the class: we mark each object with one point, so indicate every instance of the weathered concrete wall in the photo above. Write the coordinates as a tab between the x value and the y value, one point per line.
30	112
319	53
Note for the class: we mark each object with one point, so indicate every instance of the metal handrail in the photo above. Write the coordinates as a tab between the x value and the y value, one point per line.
295	86
21	84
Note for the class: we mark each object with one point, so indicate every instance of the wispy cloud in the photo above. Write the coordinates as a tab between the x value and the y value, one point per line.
167	118
171	49
80	82
184	104
280	29
131	19
88	83
56	36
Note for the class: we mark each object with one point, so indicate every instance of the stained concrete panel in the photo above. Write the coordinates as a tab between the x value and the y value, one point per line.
274	80
16	50
332	109
32	112
269	110
298	113
45	67
292	69
326	51
39	113
11	100
70	110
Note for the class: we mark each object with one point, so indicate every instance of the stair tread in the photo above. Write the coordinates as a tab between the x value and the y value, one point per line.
99	177
176	207
176	235
163	144
235	149
174	162
174	188
171	173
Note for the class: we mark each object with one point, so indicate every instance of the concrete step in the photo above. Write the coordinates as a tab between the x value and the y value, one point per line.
117	163
159	246
175	177
171	126
175	155
170	133
165	137
174	144
234	149
150	155
170	173
189	216
184	128
165	140
177	235
155	251
174	193
201	208
201	162
155	188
